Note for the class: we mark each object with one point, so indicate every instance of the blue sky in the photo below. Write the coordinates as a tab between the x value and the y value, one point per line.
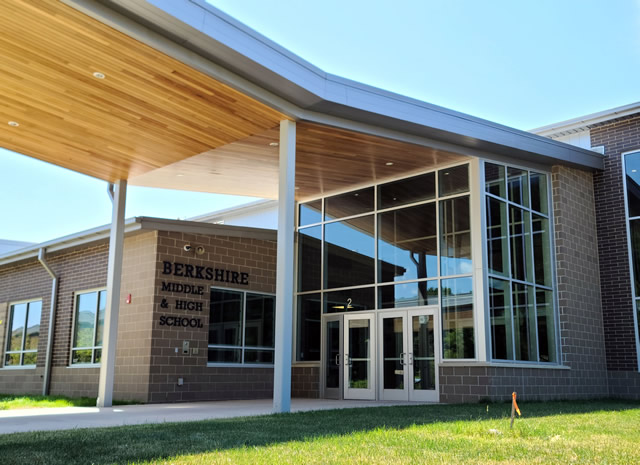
524	63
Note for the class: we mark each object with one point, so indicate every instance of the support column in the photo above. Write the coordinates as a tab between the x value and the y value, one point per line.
114	275
285	268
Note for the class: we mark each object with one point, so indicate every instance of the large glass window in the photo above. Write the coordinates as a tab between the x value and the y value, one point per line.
520	284
24	333
241	327
457	318
386	246
632	188
88	327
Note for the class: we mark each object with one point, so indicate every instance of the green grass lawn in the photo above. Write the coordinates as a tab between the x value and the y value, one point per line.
595	432
10	402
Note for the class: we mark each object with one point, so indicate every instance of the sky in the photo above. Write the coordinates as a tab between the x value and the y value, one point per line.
525	64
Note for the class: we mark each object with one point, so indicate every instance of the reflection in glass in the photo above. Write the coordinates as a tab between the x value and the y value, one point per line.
494	180
102	308
308	328
359	358
634	231
19	315
500	309
407	244
309	258
225	318
455	237
33	327
457	318
350	300
332	359
29	358
518	186
392	353
217	355
310	212
258	356
86	308
632	169
541	252
349	204
424	362
497	252
524	323
546	326
539	200
349	252
81	356
408	294
259	321
454	180
519	229
405	191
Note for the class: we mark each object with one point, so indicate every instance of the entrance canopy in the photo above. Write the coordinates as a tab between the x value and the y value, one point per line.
181	96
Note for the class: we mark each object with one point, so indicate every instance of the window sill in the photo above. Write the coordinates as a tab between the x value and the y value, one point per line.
20	367
306	364
547	366
239	365
84	365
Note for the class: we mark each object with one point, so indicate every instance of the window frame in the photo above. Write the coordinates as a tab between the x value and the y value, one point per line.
9	320
93	348
242	347
474	192
509	279
635	302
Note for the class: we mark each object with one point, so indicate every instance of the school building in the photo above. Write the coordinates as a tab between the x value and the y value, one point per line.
420	254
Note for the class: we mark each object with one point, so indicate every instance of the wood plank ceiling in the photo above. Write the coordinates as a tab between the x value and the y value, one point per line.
149	111
157	122
328	160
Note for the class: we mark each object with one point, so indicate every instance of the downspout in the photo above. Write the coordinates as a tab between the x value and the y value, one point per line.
52	321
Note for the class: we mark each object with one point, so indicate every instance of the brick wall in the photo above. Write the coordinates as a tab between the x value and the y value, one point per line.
77	269
617	136
133	351
305	382
168	363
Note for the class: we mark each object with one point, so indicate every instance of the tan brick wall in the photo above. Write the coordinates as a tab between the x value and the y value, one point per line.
133	352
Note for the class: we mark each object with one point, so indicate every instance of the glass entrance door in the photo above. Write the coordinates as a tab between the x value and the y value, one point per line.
332	357
408	368
359	357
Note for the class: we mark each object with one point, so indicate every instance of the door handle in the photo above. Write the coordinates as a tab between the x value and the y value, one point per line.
338	359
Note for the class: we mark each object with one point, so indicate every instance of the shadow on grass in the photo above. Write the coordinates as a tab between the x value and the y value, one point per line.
157	441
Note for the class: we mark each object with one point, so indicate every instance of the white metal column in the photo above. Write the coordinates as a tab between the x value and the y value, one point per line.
285	271
114	275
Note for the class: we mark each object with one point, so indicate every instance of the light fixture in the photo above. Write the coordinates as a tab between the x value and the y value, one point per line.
179	175
297	187
99	75
446	173
274	144
389	163
14	124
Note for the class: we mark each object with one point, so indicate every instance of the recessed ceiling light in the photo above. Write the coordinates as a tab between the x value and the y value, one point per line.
179	175
297	187
446	173
389	163
99	75
274	144
14	124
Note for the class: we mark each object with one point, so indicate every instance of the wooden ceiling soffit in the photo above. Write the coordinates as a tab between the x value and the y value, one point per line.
327	160
149	111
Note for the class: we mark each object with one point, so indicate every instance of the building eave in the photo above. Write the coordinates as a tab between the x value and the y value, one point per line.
209	40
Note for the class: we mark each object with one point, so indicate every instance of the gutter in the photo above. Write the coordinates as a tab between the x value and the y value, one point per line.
52	321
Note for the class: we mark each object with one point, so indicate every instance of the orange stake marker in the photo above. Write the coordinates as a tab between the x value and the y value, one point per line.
514	409
515	404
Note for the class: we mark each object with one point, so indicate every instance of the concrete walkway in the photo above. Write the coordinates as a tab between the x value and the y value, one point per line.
48	419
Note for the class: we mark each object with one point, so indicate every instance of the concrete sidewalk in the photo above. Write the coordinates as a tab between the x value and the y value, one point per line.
48	419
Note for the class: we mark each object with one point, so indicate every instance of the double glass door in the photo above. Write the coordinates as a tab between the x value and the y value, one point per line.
408	355
390	355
